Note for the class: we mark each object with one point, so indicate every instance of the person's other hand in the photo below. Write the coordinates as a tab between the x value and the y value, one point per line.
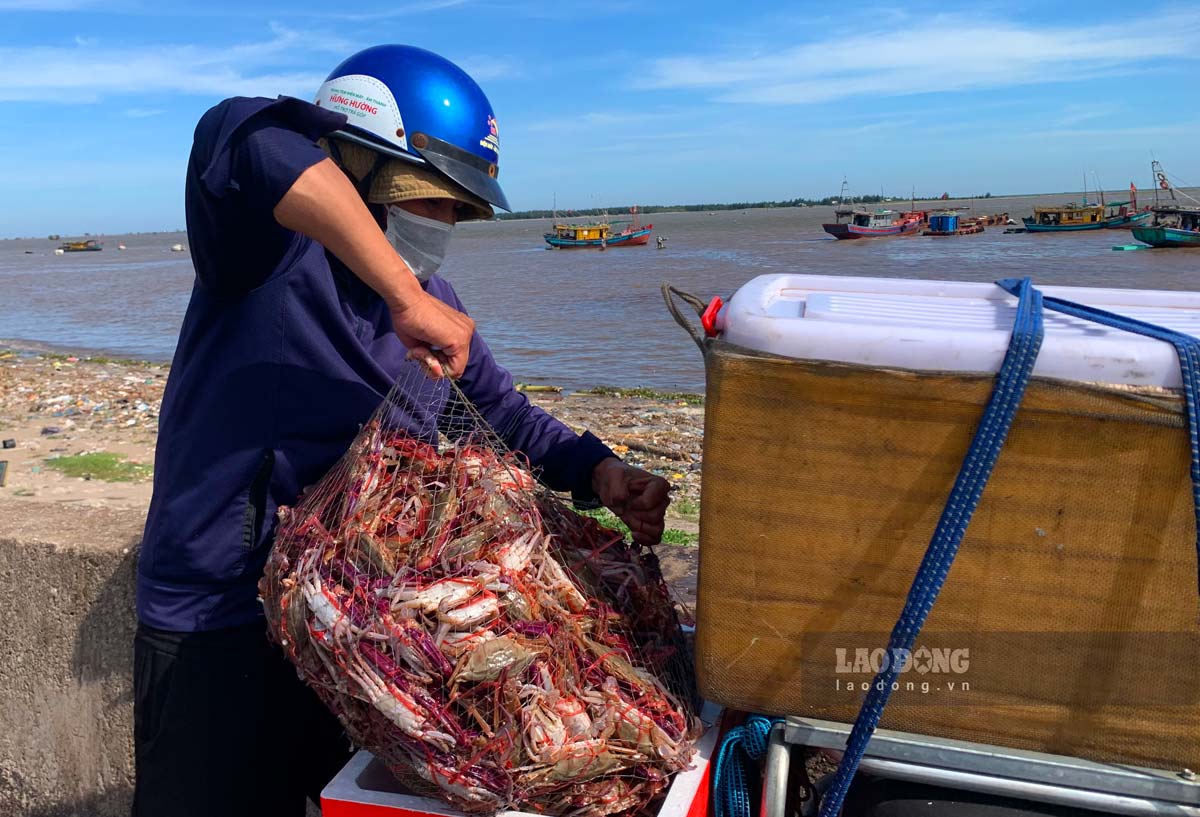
638	498
437	335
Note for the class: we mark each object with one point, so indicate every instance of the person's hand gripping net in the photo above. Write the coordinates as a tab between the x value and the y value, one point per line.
437	336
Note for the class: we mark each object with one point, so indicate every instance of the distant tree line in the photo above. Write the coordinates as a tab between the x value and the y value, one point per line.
647	209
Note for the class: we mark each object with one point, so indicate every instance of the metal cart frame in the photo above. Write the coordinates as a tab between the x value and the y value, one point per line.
977	767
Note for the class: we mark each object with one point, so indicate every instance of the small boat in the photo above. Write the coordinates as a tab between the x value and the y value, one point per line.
570	236
176	248
120	246
90	245
952	223
861	223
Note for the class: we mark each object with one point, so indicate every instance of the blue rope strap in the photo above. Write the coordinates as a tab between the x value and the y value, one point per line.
731	776
981	457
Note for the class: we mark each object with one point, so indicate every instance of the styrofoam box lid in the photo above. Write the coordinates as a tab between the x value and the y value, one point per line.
953	326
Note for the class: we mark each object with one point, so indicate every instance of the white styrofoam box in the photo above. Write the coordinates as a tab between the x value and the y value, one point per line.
364	788
953	326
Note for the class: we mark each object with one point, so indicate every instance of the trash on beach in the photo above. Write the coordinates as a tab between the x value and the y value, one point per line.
492	646
10	443
48	430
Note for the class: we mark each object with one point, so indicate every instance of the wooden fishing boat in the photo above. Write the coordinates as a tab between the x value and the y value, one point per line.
90	245
596	235
1066	218
602	235
1158	234
860	223
1173	224
1074	217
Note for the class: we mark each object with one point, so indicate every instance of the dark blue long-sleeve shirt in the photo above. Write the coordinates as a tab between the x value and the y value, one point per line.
283	354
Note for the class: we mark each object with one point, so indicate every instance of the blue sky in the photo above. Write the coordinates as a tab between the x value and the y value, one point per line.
607	103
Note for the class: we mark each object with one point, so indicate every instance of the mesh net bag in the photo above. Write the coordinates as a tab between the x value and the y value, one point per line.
492	646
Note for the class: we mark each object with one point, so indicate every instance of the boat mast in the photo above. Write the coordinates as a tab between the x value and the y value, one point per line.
1161	182
1099	187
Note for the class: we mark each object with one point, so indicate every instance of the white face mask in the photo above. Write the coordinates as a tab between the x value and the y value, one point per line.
420	241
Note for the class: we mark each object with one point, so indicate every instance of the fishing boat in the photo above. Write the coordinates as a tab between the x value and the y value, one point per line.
602	235
852	221
1066	218
1115	215
1171	227
1173	223
861	223
90	245
1074	217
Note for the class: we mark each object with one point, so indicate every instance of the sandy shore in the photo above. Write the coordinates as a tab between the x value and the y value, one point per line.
60	406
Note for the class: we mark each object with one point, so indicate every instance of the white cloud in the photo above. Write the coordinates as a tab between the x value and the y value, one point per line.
391	11
921	55
89	73
484	68
143	113
602	123
281	63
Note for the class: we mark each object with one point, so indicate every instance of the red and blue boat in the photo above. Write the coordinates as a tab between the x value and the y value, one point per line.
859	223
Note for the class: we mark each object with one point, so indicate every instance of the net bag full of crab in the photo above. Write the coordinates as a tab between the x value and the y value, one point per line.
489	644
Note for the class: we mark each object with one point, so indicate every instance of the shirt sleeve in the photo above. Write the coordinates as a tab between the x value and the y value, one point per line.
565	460
246	154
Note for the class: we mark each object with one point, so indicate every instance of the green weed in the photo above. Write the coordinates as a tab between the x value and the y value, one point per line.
101	465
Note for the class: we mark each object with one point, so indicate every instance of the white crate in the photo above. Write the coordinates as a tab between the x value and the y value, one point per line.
364	788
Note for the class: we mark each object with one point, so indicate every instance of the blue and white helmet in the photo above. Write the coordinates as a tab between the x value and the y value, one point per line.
412	104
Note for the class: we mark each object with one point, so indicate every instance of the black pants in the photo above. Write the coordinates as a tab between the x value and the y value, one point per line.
223	727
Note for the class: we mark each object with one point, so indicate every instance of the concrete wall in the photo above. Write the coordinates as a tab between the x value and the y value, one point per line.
66	655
